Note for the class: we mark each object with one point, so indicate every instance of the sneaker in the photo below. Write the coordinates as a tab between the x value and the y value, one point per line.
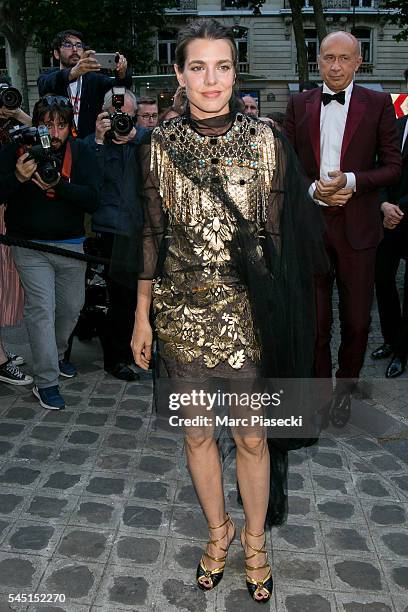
10	373
67	369
18	360
49	398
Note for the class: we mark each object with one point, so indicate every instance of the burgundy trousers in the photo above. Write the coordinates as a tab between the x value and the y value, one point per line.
353	271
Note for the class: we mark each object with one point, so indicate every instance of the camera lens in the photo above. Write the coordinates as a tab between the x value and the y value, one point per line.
122	124
48	172
10	98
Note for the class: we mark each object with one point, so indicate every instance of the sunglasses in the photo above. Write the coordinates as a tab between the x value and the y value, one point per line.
53	100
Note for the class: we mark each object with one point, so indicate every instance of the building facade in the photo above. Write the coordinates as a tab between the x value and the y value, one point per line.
266	47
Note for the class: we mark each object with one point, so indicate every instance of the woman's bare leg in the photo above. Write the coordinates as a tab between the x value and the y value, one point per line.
253	473
204	463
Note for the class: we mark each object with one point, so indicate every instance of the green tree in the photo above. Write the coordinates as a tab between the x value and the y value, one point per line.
399	16
109	25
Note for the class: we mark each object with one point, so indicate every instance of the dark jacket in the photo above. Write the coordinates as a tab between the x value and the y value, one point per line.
31	214
94	88
120	207
369	149
398	194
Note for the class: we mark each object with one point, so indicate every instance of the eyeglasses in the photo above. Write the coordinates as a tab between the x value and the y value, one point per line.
70	45
147	116
53	100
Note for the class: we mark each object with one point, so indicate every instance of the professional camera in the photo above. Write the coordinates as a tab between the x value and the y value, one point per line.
121	123
37	142
10	97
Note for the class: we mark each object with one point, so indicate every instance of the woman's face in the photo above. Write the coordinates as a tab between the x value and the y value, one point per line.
208	76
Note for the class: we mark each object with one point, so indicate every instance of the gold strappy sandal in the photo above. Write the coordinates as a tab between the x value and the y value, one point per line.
208	579
257	587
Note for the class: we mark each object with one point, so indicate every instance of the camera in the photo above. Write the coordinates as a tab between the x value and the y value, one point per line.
37	142
10	97
121	122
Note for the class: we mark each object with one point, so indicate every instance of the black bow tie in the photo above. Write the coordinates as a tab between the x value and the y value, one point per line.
340	96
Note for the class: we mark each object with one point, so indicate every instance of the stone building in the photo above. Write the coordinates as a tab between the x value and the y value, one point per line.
267	50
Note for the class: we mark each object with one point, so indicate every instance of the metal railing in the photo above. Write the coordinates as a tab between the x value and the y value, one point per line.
184	6
165	69
243	67
365	68
335	5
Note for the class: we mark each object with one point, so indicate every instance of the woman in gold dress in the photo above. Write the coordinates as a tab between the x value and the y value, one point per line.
215	189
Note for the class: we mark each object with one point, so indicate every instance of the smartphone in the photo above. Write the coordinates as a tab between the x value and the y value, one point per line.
107	60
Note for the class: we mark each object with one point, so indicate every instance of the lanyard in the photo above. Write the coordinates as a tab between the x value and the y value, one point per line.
77	100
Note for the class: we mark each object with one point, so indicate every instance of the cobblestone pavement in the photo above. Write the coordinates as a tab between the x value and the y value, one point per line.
97	505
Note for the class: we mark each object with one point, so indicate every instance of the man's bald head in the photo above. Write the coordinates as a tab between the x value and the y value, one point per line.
251	106
339	59
345	37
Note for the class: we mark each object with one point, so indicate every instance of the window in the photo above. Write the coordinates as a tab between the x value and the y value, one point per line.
241	41
48	61
312	45
166	47
362	3
235	4
3	64
364	36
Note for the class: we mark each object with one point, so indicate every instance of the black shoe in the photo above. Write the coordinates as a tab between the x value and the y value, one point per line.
340	410
382	352
396	367
123	372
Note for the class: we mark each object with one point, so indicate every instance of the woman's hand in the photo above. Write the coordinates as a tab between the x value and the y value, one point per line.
142	343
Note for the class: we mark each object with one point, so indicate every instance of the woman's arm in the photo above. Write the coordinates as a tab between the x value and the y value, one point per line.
142	332
152	236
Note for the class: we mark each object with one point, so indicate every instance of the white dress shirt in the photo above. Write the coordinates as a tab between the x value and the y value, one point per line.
333	119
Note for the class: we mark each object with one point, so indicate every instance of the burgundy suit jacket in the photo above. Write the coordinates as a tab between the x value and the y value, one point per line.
369	149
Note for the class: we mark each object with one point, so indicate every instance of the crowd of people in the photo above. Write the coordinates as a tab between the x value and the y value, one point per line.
222	233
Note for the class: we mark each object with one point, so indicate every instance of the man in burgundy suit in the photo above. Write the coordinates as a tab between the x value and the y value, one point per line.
346	140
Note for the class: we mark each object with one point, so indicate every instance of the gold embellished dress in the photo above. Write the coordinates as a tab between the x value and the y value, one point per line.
202	310
231	240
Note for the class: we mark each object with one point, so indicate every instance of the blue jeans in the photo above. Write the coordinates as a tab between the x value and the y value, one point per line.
54	288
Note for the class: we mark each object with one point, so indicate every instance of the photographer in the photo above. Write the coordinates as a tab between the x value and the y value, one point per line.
116	141
147	113
11	293
48	188
10	112
78	78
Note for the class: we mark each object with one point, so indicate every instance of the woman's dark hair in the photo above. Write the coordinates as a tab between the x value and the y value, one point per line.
62	37
207	29
277	117
55	106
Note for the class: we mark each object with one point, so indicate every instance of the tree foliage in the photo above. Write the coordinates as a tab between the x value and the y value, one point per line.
108	25
399	17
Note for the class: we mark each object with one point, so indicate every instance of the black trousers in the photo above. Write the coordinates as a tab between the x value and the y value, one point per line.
393	316
117	333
